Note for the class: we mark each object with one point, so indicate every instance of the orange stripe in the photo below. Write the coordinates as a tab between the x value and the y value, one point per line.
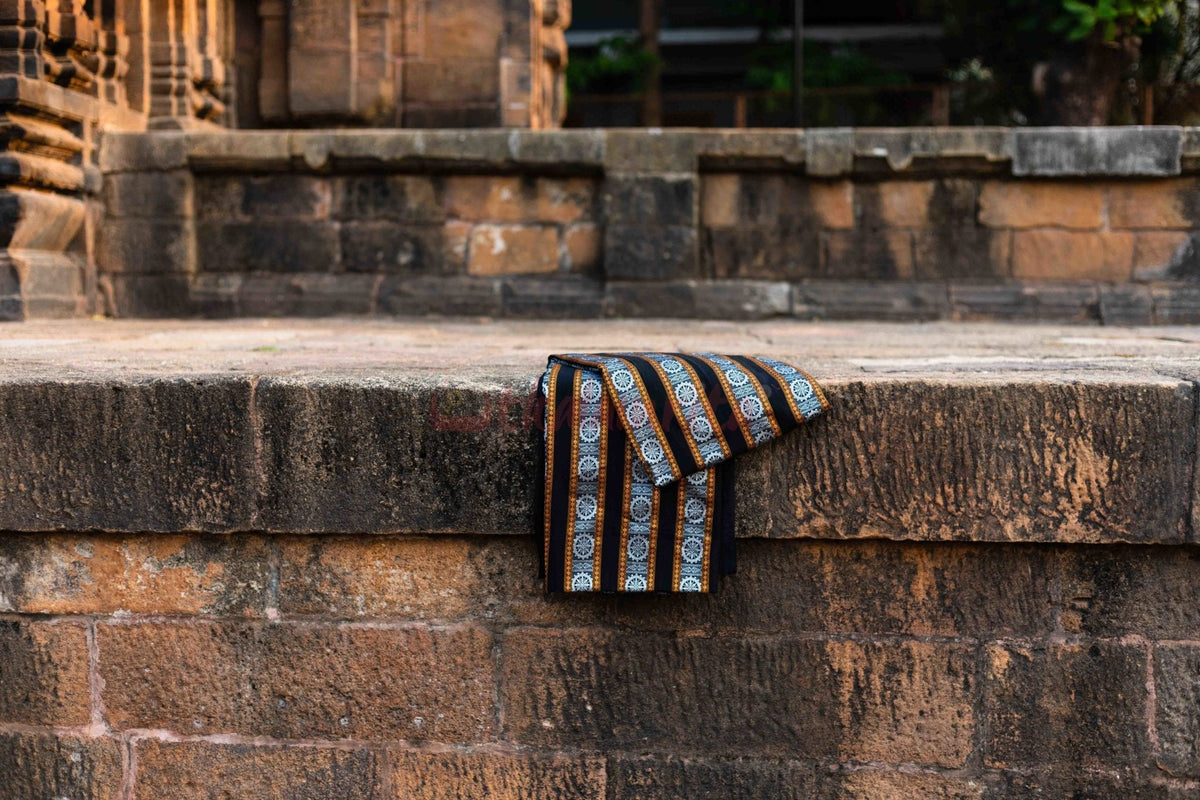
783	386
652	558
710	507
625	517
762	398
733	403
600	486
677	557
816	387
568	555
551	390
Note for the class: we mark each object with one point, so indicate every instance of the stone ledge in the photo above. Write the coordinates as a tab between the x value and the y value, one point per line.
938	433
1045	152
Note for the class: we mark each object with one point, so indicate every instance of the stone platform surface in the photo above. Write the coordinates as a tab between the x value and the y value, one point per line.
939	431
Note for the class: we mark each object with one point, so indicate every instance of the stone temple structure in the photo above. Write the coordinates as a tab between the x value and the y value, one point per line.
74	70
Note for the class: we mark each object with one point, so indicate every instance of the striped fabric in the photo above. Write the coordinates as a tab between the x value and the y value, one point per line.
639	482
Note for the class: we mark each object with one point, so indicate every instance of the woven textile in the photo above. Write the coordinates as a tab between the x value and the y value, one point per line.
639	482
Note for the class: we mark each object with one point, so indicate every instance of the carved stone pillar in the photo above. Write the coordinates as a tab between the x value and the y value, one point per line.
21	38
70	48
340	65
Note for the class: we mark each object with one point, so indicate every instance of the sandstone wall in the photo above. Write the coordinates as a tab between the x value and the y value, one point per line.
964	224
434	668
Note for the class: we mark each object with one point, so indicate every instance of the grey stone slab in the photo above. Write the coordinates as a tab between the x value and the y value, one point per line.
165	455
828	152
1129	151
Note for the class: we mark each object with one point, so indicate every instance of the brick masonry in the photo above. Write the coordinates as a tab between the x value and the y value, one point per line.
433	667
628	223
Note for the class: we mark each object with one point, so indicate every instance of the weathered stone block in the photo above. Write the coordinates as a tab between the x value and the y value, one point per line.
882	784
405	578
256	680
269	245
1067	780
1066	255
191	771
709	299
285	196
146	246
218	196
568	296
1162	255
395	457
160	150
779	253
1126	305
45	674
641	200
462	28
495	776
452	115
257	151
48	765
1177	701
1155	204
1176	305
452	295
397	248
856	254
149	194
969	301
897	300
961	252
1096	151
872	588
583	245
490	198
650	151
1042	204
452	80
152	574
772	200
1129	478
154	296
399	198
566	199
513	250
828	151
904	204
1066	704
169	455
650	253
596	689
667	778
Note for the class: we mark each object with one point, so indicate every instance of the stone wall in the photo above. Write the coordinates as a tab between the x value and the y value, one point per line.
70	71
965	224
315	577
371	667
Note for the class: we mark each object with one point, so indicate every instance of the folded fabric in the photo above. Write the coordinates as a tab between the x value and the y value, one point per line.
639	482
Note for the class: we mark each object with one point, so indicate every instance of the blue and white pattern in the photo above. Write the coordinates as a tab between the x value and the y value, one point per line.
637	548
642	428
746	396
692	540
801	388
691	405
587	473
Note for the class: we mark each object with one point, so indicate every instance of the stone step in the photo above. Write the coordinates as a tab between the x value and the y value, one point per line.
938	432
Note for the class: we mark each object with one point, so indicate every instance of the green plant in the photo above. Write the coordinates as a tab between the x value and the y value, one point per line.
1109	19
618	64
